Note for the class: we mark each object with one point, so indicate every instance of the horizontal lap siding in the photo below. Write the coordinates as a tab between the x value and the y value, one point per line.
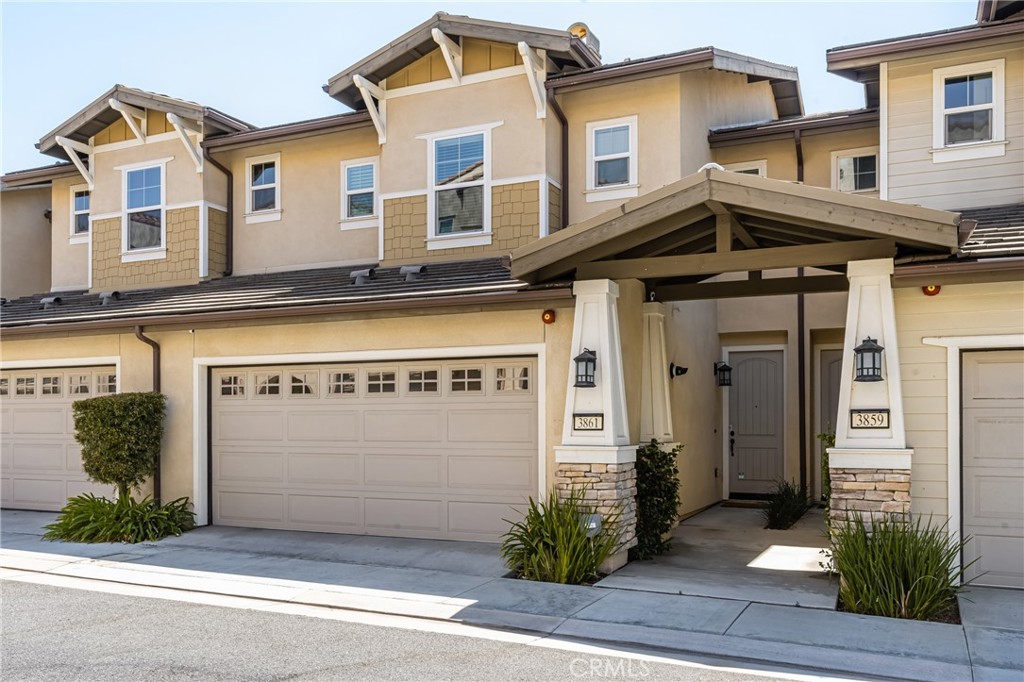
958	310
913	177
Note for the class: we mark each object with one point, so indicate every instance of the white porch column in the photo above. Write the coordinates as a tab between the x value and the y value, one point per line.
655	403
595	453
870	467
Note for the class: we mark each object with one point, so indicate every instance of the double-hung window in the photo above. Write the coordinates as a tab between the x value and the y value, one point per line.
79	212
358	193
612	159
263	188
144	209
459	185
968	111
855	170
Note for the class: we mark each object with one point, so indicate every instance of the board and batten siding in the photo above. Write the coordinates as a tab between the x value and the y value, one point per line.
913	177
983	309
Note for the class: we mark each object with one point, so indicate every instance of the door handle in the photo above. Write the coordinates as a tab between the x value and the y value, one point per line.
732	441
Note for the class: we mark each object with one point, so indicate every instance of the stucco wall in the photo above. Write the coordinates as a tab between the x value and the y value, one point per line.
181	266
181	182
24	242
69	261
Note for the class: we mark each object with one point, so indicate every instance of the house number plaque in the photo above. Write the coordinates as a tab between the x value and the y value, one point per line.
869	419
588	422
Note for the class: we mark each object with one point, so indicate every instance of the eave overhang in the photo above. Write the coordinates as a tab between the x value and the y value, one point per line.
290	131
35	176
785	129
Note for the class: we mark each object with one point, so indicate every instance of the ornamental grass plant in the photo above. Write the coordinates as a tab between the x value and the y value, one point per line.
88	518
784	506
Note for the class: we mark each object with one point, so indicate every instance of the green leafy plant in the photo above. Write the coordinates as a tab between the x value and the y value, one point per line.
552	544
657	499
828	440
88	518
784	506
120	437
897	566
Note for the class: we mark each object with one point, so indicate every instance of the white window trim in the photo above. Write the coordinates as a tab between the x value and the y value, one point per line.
154	253
268	215
78	237
943	153
848	153
360	222
760	165
436	241
628	190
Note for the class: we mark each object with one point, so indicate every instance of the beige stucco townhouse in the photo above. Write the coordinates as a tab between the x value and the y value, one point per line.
377	322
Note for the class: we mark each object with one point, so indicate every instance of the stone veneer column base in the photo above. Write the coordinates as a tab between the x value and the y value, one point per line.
609	488
871	493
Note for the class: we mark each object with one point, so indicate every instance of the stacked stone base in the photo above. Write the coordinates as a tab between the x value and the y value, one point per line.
874	494
609	488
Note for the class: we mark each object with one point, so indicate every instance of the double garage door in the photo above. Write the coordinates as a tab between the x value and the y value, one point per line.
40	462
443	449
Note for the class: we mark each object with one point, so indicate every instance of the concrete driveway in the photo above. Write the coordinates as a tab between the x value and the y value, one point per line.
725	552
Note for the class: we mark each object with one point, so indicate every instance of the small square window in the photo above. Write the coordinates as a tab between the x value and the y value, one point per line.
467	380
263	188
25	386
51	385
106	384
268	384
380	382
80	212
304	383
5	386
423	381
359	190
612	158
341	383
855	170
232	385
969	111
512	379
78	384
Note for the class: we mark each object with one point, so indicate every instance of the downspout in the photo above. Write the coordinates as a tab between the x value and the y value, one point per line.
229	248
156	389
801	343
565	157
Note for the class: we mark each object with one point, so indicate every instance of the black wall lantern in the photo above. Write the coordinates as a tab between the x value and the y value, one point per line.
724	374
586	368
868	357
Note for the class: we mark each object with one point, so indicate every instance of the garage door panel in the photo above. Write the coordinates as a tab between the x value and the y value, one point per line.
251	466
6	488
508	473
404	514
77	487
39	420
990	379
481	519
5	421
989	492
324	468
262	425
251	507
328	511
505	426
37	493
994	436
324	425
404	470
1002	560
6	456
45	456
397	425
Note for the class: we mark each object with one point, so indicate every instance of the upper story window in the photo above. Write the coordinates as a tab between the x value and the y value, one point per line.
263	188
79	212
968	117
144	209
612	159
759	167
855	170
359	193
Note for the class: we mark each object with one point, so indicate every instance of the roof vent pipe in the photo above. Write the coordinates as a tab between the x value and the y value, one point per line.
413	272
106	296
50	302
710	166
362	276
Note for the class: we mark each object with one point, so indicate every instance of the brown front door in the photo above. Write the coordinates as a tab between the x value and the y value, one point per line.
755	422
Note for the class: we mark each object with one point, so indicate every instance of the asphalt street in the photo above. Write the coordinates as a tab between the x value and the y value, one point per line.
56	633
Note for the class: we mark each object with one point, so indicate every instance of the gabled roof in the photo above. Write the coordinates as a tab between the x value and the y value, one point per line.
998	10
562	47
1000	231
98	115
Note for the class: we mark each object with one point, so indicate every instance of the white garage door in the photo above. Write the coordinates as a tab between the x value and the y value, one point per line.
993	461
418	449
40	462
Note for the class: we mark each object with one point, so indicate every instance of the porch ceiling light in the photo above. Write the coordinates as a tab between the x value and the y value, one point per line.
586	369
868	361
724	374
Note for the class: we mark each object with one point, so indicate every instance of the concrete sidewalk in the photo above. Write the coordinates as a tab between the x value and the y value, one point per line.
989	646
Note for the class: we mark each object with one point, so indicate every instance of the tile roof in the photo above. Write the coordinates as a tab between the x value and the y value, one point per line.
1000	231
254	293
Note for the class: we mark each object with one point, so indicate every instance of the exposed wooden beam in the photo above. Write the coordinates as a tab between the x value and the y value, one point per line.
778	286
670	242
130	114
452	53
71	148
535	74
738	231
379	116
739	261
181	127
723	233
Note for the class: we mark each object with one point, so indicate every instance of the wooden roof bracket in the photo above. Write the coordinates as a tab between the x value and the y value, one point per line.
377	109
71	148
181	126
130	113
452	53
534	66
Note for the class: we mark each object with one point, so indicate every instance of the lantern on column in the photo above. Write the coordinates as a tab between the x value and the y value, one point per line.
586	369
868	361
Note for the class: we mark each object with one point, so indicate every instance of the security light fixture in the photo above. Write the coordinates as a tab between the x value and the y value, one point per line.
675	370
724	374
868	361
586	369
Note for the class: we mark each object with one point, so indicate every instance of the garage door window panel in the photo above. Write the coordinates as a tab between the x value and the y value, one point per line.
232	386
423	382
381	382
304	384
106	384
79	384
51	385
5	386
342	384
514	379
25	386
268	385
467	380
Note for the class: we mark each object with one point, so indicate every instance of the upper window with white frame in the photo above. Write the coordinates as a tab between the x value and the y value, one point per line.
263	188
855	170
144	208
79	211
359	192
759	167
612	159
459	179
968	109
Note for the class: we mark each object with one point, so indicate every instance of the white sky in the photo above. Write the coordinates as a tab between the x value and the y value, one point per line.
266	62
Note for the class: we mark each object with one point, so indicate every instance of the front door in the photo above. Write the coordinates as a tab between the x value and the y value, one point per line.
755	422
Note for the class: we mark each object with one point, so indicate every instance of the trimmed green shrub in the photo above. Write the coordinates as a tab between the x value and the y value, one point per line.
828	440
897	567
657	499
120	437
88	518
551	543
784	506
